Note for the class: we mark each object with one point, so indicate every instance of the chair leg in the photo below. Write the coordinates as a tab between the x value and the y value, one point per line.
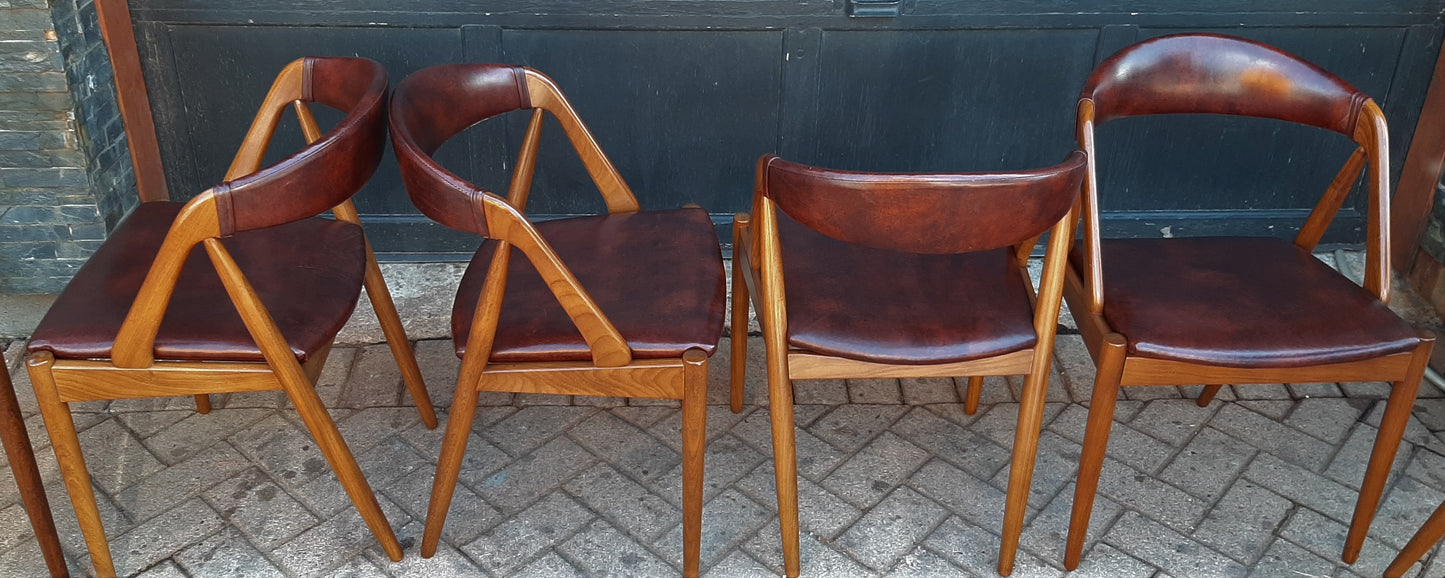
1110	368
1419	544
386	315
1387	441
785	451
27	476
739	328
66	444
975	391
343	463
1207	395
449	465
1025	453
203	403
694	441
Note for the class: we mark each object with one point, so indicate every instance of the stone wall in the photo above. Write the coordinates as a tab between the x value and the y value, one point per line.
65	171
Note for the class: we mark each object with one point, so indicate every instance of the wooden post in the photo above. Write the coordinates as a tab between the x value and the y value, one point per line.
134	103
1415	193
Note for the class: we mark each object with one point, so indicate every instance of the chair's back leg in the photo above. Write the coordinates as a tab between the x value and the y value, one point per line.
66	444
379	295
975	391
737	380
203	403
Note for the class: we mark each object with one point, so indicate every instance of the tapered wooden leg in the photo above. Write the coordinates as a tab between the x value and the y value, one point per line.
203	403
1207	395
1109	368
1419	544
975	390
785	451
27	476
396	338
1387	441
66	444
343	463
1025	452
739	328
449	464
694	440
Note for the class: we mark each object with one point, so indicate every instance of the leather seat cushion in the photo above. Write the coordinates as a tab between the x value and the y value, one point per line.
1241	302
901	308
308	274
656	275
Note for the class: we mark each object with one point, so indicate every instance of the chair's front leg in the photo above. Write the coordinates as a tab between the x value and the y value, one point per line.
694	443
66	444
449	464
1387	442
328	439
1110	367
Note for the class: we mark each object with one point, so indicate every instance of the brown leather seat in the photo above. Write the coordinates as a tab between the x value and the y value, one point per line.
898	312
657	275
309	293
1196	300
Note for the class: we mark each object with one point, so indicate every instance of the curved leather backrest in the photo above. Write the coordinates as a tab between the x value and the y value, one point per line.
327	172
1212	73
925	213
433	105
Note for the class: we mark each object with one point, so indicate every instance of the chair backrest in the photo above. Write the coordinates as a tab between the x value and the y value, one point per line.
435	104
322	175
325	172
924	213
1212	73
1217	74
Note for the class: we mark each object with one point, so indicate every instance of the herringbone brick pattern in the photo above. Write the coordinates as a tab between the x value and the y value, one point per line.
896	480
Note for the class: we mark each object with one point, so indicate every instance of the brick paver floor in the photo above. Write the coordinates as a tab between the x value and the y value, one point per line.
895	480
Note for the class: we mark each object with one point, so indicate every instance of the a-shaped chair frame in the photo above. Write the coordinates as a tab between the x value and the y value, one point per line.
1210	310
936	286
147	315
624	304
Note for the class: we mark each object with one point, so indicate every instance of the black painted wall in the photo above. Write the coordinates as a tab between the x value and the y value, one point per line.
685	95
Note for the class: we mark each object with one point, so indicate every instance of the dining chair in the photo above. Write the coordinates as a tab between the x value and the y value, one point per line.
1420	544
629	303
254	308
1237	310
872	275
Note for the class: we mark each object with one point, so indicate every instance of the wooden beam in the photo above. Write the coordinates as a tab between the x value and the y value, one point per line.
131	96
1415	193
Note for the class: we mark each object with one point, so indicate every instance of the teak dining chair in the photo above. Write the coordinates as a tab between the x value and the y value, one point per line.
254	308
1237	310
629	303
869	275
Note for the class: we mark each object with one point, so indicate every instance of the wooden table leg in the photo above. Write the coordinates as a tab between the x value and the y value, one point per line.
27	476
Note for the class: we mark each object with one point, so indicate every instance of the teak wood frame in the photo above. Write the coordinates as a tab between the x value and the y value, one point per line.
612	372
1084	290
134	372
758	279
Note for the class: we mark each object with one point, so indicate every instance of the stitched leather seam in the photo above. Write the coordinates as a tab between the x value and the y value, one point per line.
523	95
225	209
306	68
